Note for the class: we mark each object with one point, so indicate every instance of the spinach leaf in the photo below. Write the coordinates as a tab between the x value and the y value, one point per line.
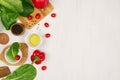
12	5
11	9
28	8
0	10
8	18
24	72
9	12
13	51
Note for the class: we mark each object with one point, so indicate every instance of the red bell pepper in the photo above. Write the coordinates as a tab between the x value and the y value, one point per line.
38	57
40	3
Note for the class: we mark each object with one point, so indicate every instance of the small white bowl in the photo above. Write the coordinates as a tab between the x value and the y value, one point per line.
10	61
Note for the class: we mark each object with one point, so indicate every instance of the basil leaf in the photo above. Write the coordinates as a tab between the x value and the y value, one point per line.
13	51
12	5
28	8
24	72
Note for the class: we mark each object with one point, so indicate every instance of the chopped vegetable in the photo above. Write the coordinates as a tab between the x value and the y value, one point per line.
13	51
24	72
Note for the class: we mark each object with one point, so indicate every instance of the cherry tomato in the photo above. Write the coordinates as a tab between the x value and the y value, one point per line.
29	17
53	15
40	3
47	35
46	25
44	67
17	57
37	16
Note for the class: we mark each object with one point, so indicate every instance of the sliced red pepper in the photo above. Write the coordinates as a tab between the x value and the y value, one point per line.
38	57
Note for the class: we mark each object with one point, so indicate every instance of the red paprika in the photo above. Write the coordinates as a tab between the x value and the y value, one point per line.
38	57
40	3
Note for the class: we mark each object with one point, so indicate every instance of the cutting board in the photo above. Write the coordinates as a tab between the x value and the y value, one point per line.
30	23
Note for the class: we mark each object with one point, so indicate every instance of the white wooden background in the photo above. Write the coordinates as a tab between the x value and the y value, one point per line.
85	42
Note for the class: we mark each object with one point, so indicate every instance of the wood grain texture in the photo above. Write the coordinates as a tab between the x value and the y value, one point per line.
30	23
24	50
4	71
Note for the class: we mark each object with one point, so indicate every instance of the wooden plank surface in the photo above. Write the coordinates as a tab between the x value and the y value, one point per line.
30	23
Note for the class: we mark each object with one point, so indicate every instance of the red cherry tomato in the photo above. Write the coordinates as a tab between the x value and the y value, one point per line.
17	57
37	16
53	15
44	67
46	25
40	3
47	35
29	17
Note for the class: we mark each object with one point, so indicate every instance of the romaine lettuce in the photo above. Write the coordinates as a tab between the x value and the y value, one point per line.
12	5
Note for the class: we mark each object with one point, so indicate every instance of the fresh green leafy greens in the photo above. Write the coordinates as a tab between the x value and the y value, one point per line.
24	72
11	9
12	5
8	18
27	8
0	10
13	51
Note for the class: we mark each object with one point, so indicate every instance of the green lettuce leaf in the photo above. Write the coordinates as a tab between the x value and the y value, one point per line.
13	51
8	19
12	5
0	10
24	72
28	8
